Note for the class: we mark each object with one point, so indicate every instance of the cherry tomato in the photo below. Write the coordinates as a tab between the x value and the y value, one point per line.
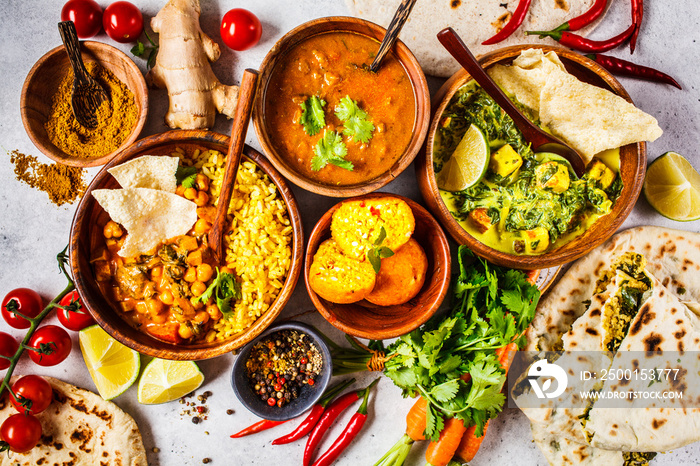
123	22
23	300
35	389
53	340
76	317
240	29
21	432
85	14
8	347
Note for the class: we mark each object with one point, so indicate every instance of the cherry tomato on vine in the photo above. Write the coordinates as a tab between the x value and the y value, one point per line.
23	300
21	432
75	316
32	388
8	347
123	21
52	340
85	14
240	29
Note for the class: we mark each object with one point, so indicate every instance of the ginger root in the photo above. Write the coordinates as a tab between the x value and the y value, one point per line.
182	66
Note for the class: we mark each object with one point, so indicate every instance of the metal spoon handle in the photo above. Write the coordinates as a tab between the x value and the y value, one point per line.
392	32
70	40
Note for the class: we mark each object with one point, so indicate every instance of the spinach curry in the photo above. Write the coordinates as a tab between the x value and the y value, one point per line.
527	203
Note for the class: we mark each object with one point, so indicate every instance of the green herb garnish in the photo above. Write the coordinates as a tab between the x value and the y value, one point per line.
355	121
140	50
186	176
312	117
379	252
330	149
223	288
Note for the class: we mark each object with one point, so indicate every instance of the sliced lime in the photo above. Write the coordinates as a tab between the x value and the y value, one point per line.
672	187
112	366
468	163
164	381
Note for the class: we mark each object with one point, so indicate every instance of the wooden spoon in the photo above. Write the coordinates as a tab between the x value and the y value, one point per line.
392	32
87	93
540	141
246	94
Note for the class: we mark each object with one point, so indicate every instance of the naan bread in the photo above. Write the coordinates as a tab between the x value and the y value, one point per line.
80	428
148	171
560	451
475	21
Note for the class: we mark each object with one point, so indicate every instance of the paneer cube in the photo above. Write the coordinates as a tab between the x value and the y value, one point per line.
188	243
505	161
533	241
481	220
552	175
102	272
600	172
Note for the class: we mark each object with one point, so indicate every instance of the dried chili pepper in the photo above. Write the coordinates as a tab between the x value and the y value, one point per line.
333	411
626	68
310	421
580	21
514	23
637	15
257	427
582	44
348	434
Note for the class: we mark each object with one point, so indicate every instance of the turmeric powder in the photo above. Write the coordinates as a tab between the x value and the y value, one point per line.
62	183
116	117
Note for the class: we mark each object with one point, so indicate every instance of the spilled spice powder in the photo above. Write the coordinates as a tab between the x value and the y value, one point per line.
63	184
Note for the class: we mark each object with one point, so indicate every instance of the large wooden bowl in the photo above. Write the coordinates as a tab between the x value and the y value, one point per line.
367	320
85	231
412	68
632	167
41	85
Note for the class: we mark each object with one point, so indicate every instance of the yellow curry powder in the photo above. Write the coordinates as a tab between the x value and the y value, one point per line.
116	117
62	183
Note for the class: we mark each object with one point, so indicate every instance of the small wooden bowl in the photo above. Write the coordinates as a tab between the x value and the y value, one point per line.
632	167
367	320
412	68
85	229
41	85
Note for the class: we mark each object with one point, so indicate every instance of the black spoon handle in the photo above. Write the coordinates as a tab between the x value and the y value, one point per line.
392	32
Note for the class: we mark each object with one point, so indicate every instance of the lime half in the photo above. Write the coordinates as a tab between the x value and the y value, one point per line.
468	163
164	381
112	366
672	187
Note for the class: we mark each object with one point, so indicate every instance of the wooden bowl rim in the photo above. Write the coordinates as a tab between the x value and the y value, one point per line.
420	126
201	351
53	152
441	253
460	235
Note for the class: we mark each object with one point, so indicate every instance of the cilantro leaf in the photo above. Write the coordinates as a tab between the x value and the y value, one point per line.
312	117
186	176
445	391
355	120
330	149
379	252
224	288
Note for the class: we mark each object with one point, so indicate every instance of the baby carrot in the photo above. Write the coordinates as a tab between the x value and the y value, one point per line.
440	453
470	444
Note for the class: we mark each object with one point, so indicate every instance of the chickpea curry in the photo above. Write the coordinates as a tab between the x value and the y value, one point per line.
333	120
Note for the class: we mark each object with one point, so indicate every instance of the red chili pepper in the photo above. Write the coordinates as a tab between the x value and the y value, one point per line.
310	421
626	68
580	21
582	44
338	406
515	21
637	16
348	434
257	427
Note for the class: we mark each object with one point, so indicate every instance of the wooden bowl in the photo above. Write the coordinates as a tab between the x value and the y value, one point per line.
367	320
41	85
83	234
632	167
412	68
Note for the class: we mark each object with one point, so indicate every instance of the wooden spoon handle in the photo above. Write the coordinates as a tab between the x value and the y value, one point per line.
392	32
70	40
246	95
453	43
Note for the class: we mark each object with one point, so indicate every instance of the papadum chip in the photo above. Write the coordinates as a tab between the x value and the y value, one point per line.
148	171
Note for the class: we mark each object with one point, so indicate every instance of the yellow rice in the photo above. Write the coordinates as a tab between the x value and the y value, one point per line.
258	242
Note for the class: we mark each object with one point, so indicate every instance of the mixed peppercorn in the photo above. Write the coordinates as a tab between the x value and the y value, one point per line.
281	364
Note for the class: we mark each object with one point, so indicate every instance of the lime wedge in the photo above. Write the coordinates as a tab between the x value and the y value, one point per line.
468	163
112	366
164	381
672	187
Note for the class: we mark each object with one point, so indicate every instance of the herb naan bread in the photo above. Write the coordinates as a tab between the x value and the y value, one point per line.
80	428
